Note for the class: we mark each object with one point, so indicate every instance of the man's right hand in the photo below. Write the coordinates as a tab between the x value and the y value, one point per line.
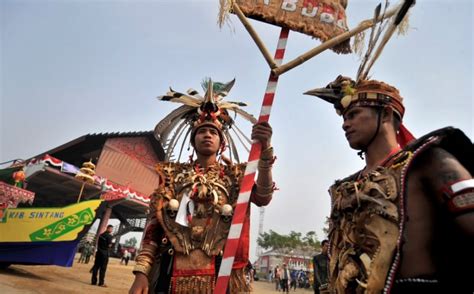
140	285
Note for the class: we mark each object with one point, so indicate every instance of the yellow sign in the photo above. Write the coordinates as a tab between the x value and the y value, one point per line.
46	224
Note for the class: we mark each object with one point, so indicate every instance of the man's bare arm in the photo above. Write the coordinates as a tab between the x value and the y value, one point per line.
453	186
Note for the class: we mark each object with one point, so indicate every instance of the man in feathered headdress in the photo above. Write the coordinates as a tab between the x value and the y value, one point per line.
192	209
404	223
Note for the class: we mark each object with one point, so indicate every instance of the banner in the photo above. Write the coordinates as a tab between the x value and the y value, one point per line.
322	19
46	224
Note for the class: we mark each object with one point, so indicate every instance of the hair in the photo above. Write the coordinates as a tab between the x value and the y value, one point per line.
324	242
110	226
194	133
396	122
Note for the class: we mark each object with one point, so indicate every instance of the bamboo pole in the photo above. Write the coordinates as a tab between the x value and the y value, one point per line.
80	193
268	57
364	25
388	34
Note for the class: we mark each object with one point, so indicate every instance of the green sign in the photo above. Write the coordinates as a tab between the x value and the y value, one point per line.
63	226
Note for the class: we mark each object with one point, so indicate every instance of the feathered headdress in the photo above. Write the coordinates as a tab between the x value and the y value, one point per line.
198	111
344	92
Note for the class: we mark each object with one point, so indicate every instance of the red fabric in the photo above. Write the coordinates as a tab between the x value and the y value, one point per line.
194	272
404	137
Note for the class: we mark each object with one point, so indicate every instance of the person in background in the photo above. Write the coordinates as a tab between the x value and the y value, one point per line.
102	257
321	268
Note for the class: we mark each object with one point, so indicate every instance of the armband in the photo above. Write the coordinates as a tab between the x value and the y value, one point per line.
460	196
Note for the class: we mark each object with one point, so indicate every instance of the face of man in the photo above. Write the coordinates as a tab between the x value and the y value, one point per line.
110	229
325	247
360	124
207	140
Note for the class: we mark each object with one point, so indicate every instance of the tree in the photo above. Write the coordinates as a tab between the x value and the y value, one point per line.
311	240
294	240
131	242
326	227
271	240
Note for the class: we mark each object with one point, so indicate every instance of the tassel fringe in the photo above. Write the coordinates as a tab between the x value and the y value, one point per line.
225	7
193	285
358	44
404	26
238	282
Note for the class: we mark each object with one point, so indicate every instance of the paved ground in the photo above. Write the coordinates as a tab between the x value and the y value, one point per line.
20	279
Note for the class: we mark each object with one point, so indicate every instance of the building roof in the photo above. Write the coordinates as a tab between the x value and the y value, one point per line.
56	186
289	252
89	146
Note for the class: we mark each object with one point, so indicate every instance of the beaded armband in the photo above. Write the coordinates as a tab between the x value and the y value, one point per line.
459	196
266	159
265	191
145	259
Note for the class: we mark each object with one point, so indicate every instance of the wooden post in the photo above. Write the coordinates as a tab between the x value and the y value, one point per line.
330	43
268	57
104	220
80	193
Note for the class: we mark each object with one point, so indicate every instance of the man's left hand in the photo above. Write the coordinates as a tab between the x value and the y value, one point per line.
262	132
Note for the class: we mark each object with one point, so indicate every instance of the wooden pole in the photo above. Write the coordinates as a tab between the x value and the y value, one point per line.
388	34
330	43
268	57
80	193
240	211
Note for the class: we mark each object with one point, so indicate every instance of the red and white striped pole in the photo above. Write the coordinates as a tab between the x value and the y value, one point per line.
240	210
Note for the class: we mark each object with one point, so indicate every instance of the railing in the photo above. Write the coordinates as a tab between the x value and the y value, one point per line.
132	225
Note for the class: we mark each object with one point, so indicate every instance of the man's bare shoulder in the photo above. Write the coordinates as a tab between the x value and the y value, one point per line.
439	167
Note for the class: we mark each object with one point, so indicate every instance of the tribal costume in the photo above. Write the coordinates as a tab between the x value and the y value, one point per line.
369	212
192	209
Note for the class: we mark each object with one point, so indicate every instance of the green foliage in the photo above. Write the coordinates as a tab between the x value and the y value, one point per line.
216	86
326	227
275	241
131	242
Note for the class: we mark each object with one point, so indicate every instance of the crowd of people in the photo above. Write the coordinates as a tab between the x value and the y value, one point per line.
286	279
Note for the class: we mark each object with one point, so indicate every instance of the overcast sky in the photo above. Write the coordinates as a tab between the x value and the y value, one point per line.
69	68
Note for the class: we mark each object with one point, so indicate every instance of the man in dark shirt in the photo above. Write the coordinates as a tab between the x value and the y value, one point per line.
320	268
285	276
102	256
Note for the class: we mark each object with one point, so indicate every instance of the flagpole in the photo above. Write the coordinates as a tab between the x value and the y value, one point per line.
240	210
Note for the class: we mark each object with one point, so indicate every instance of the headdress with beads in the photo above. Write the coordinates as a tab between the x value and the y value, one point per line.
345	93
198	111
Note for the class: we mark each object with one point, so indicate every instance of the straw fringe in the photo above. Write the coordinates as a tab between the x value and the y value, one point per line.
404	26
225	7
358	45
193	285
238	282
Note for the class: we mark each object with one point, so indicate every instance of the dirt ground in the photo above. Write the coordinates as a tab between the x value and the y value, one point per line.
22	279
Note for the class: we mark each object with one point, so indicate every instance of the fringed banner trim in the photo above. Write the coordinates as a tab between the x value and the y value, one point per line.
193	285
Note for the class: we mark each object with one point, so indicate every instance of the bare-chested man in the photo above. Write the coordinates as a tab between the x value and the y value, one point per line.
405	222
